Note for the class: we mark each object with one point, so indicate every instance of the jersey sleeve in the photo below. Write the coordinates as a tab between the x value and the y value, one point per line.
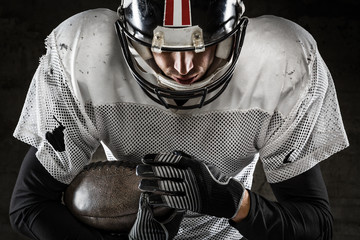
312	130
54	121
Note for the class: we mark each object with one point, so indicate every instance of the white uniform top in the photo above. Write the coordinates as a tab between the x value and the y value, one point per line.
280	106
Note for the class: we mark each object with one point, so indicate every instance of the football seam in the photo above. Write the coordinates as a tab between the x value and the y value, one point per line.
117	164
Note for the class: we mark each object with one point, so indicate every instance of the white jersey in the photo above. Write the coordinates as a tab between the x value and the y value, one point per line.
280	107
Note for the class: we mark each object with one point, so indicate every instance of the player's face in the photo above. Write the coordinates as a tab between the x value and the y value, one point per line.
185	67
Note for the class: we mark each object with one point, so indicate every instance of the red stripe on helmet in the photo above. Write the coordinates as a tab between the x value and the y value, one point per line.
169	13
185	8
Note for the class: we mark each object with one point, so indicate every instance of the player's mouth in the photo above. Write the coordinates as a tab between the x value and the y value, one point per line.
186	80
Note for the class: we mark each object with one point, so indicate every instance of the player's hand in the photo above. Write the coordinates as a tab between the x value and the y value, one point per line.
178	181
146	227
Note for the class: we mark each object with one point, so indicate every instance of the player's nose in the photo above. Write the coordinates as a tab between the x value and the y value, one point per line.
183	62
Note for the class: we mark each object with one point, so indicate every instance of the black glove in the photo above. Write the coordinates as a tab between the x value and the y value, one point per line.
146	227
178	181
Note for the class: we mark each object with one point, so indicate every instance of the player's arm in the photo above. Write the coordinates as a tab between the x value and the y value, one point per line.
36	209
302	211
179	181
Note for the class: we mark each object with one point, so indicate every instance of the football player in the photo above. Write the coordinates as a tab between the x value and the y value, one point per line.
200	93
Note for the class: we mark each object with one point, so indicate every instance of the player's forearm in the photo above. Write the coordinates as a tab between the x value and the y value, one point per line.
272	220
302	212
50	220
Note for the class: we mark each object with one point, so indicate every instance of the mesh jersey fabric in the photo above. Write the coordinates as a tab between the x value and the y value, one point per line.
281	108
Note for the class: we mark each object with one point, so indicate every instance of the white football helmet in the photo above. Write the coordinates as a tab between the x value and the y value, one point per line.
147	26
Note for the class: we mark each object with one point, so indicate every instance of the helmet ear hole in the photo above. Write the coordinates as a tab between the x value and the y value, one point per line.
224	48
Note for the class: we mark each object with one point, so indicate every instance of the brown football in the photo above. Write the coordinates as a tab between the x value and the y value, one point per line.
105	195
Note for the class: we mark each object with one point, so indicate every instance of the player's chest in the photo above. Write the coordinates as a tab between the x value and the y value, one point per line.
132	130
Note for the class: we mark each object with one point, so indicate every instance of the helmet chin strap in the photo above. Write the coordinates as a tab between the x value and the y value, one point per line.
143	57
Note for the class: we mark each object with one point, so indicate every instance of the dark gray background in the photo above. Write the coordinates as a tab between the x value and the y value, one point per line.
25	24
